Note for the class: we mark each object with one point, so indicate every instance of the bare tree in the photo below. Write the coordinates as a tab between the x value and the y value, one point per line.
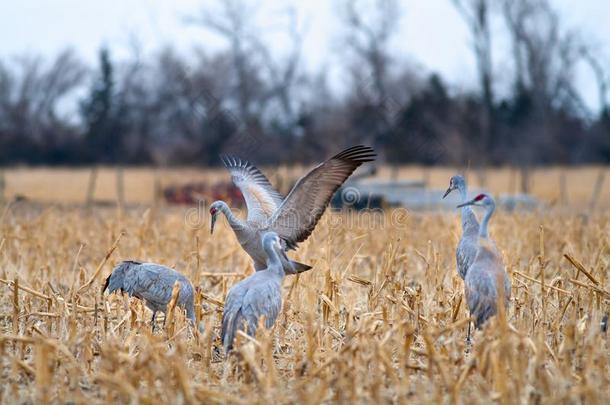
259	77
601	76
477	15
232	21
369	28
545	54
283	75
32	94
188	108
32	123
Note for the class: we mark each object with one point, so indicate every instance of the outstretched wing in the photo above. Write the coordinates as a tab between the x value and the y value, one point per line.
298	215
261	198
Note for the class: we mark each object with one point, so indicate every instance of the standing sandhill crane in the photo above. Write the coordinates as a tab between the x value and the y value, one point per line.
152	283
467	246
481	285
293	218
259	295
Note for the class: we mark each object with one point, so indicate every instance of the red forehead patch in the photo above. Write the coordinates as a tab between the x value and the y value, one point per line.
479	197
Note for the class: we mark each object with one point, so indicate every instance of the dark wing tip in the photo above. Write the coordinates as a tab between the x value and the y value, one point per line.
290	245
105	287
301	267
226	161
234	162
358	153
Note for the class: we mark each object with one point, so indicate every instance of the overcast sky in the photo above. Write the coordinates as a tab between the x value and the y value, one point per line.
431	32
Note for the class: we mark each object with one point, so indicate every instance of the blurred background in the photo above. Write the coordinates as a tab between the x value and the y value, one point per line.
474	84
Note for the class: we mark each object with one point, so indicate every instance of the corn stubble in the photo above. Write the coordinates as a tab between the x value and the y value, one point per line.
381	317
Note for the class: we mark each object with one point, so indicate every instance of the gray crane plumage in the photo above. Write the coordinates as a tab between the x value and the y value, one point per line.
293	218
152	283
256	296
467	246
486	278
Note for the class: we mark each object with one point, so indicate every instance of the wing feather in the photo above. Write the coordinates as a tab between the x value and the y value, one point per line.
154	283
261	198
298	215
264	299
467	246
465	254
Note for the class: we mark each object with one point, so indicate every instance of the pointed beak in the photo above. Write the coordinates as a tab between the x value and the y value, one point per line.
471	202
450	189
213	223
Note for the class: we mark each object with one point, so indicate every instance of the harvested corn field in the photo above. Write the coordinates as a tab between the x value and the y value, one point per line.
381	317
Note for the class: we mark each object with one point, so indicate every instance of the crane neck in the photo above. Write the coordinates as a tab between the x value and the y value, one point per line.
483	230
470	224
274	264
464	197
463	192
235	223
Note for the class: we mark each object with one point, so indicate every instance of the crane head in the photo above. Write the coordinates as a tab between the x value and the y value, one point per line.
272	239
481	200
215	209
454	183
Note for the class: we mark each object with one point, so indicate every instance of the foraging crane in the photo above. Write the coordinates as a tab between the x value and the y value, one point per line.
259	295
152	283
467	246
293	218
486	276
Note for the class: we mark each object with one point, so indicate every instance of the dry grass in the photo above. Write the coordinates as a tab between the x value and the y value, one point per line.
380	319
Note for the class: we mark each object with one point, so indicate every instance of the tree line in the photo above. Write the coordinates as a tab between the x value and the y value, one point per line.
173	109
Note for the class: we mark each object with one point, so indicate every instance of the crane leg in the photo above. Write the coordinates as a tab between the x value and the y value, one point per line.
154	315
468	337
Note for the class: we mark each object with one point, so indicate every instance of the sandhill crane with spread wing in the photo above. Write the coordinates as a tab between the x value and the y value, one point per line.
486	282
152	283
293	218
259	295
467	246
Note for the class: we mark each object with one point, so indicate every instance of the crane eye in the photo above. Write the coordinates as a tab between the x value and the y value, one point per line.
212	211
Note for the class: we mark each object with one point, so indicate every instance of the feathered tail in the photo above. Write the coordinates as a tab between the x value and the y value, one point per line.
229	329
301	267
